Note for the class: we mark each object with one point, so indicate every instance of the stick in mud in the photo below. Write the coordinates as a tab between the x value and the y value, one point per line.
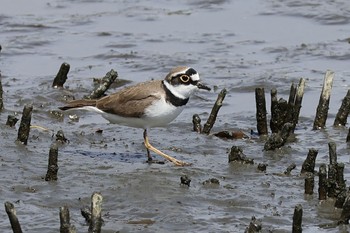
322	182
297	102
236	155
255	226
196	120
52	168
340	176
339	202
297	219
323	105
86	213
332	153
345	214
291	105
309	163
106	82
65	226
309	183
214	112
274	111
11	120
96	208
262	167
348	136
24	128
261	111
332	180
343	112
277	140
290	168
60	137
11	212
292	94
61	76
1	94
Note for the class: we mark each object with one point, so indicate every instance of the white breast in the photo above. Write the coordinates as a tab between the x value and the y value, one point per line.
159	114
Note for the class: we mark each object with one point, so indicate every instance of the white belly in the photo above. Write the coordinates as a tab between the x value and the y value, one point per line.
157	115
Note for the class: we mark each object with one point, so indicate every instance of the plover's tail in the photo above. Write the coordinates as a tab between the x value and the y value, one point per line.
79	104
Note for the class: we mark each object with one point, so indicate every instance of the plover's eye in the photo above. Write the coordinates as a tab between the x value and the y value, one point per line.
185	78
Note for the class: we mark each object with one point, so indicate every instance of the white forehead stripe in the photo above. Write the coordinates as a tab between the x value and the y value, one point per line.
195	77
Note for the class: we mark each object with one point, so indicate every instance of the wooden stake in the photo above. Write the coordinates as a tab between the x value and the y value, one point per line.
96	217
261	111
309	183
52	167
61	76
345	214
24	128
297	219
323	105
343	112
65	226
322	182
274	111
309	163
297	103
11	212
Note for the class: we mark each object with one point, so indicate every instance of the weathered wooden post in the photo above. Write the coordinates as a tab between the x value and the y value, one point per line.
61	76
323	105
261	111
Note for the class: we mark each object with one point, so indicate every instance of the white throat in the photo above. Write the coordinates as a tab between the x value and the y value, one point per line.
181	91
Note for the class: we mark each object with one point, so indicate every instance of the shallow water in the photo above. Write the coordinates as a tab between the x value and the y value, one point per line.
237	45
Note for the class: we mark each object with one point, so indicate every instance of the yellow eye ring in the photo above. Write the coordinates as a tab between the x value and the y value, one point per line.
185	78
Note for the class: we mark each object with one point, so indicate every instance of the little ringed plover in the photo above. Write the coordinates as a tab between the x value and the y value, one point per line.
146	105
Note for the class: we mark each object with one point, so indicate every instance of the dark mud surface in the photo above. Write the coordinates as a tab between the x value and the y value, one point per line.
237	45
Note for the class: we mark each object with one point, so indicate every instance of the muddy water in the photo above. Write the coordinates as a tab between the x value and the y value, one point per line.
237	45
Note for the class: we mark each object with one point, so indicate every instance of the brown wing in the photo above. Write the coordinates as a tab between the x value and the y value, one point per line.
131	101
78	104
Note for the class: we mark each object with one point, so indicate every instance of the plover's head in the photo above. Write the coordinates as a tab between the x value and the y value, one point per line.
183	82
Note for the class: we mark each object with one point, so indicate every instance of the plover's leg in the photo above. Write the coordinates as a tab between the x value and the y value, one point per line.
155	150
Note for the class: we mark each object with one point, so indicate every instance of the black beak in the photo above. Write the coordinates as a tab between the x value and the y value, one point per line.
202	86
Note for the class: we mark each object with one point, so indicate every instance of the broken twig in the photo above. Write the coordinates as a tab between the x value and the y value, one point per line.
214	112
277	140
106	82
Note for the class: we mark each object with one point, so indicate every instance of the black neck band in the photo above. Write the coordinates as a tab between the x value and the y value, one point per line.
174	100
